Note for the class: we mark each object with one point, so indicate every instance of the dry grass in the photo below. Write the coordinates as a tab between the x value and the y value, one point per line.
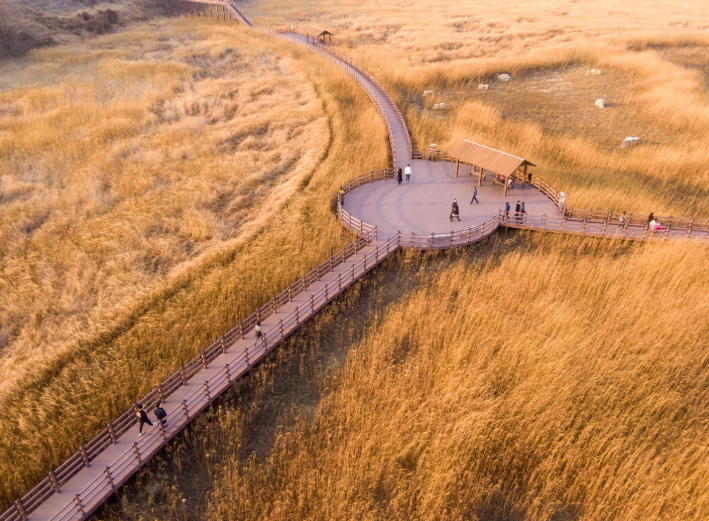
540	377
547	112
130	185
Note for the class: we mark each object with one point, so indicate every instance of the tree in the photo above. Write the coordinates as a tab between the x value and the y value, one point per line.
9	27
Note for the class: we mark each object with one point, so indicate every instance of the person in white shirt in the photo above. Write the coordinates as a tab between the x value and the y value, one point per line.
407	171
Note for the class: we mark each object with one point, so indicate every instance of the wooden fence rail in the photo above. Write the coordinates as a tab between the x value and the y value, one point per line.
108	436
636	231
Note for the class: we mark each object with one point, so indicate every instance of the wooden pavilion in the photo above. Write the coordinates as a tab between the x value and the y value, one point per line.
503	165
317	34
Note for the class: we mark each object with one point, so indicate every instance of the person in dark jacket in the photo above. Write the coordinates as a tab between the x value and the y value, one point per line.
475	195
160	413
455	211
517	211
399	175
142	418
507	210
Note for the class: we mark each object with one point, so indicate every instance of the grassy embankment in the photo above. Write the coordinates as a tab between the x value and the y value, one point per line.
542	377
157	186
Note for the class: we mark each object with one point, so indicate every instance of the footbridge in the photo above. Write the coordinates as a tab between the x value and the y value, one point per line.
385	216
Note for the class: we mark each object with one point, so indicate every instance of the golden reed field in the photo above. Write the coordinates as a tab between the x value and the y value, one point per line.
159	183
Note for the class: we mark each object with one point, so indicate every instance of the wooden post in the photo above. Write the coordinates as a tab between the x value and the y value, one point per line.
457	165
204	359
182	375
55	481
84	456
524	175
162	429
21	509
280	326
160	393
480	179
504	187
339	281
223	345
112	432
228	375
297	318
312	304
184	410
206	391
107	470
241	330
365	262
79	505
136	451
326	297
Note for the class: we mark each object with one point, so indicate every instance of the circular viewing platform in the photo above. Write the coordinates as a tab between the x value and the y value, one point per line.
423	206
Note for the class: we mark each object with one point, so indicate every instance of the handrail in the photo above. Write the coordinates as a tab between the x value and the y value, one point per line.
107	437
637	231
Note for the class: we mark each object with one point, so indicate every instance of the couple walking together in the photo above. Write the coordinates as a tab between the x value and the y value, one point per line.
407	172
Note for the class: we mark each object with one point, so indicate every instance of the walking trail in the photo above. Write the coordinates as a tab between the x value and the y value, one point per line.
386	216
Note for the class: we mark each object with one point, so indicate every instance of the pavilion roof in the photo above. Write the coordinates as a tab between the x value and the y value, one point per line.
487	158
314	31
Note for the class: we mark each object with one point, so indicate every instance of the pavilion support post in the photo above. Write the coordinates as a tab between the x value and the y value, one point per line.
504	187
480	179
524	175
457	165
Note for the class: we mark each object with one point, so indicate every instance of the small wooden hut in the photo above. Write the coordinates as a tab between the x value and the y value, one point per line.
318	34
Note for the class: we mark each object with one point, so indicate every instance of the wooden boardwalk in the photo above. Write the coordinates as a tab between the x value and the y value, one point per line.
374	206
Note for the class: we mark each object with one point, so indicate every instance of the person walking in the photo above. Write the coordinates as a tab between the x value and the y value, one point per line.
398	176
517	211
507	210
650	218
258	330
142	418
475	195
621	219
455	211
522	211
407	171
160	413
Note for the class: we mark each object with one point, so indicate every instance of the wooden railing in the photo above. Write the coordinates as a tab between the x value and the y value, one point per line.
445	240
421	241
103	485
428	155
108	436
611	227
367	81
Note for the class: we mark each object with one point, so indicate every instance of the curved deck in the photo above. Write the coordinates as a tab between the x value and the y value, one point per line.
423	206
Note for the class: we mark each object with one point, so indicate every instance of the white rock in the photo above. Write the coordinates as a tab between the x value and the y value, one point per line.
601	103
435	107
504	77
427	92
593	72
483	86
630	141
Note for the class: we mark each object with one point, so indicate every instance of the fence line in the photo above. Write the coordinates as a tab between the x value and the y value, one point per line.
108	436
